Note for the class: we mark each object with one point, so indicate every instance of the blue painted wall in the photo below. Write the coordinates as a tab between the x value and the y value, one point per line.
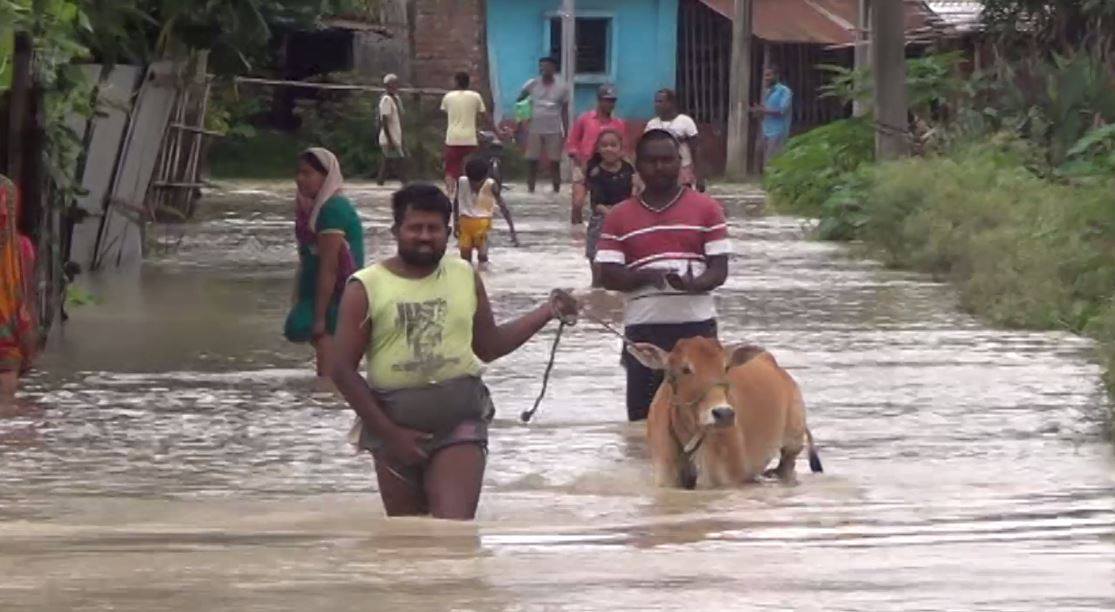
643	49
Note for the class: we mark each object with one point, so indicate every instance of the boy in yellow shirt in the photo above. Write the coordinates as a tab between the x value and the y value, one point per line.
476	199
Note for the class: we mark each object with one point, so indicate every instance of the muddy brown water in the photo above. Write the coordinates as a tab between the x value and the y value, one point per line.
174	453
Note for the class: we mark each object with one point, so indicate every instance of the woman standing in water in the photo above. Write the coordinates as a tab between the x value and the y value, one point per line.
18	332
330	248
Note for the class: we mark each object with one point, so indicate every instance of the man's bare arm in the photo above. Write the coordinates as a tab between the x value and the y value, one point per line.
491	341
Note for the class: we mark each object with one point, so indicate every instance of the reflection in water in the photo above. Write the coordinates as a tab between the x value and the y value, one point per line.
175	453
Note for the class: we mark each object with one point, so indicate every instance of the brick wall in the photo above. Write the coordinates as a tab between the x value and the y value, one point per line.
448	36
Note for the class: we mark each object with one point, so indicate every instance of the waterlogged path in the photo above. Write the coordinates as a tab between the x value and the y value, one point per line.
175	453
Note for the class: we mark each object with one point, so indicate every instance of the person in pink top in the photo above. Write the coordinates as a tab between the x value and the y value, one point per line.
581	143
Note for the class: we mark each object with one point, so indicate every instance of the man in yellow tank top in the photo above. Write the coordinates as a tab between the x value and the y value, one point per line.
425	324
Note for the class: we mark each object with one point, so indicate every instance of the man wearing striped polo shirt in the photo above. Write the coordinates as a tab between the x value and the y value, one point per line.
666	250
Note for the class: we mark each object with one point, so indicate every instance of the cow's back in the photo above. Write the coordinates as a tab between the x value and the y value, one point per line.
763	395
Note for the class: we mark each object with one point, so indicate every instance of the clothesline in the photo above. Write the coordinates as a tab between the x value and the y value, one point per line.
423	91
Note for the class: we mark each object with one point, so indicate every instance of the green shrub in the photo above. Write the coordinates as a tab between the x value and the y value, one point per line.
1091	156
815	163
1023	251
267	154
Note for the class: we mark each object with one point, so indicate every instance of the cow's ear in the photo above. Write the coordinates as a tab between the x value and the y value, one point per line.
649	355
739	354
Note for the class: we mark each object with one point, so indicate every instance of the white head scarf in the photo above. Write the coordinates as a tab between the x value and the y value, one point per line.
331	187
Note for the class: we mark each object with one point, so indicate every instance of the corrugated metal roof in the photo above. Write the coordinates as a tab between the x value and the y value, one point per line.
964	15
828	22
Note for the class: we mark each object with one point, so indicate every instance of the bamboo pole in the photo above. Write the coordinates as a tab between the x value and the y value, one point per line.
425	91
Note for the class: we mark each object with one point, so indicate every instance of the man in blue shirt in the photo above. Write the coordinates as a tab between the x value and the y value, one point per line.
776	112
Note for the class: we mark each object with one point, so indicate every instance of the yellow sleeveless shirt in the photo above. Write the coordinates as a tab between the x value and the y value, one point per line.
421	328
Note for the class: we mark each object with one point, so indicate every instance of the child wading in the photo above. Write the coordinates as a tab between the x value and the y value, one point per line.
609	180
477	197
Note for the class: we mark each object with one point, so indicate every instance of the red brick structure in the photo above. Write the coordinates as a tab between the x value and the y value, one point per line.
448	36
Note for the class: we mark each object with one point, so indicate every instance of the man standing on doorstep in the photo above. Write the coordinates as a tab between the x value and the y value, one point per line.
582	142
776	112
666	250
684	129
462	106
391	131
549	99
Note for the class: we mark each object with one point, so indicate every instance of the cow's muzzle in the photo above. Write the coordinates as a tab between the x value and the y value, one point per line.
723	416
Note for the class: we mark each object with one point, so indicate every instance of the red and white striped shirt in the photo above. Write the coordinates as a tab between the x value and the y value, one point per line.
679	237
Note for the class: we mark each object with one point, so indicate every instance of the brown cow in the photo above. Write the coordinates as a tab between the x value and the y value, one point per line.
721	415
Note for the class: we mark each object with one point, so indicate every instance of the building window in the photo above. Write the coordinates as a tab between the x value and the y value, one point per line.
593	38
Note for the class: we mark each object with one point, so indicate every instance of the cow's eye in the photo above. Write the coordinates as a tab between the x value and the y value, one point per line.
685	369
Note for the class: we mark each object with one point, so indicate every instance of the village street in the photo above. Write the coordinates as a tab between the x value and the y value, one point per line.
173	452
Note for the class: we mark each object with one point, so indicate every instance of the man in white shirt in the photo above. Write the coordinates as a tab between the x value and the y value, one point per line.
684	129
391	131
462	106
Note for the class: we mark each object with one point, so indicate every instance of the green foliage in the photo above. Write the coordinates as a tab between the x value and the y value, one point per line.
270	154
1091	156
237	33
813	164
1044	24
842	213
1024	251
231	114
930	80
347	125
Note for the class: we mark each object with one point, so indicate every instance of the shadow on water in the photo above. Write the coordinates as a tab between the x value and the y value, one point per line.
174	452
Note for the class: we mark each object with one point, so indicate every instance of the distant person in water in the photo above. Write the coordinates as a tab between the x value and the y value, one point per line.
390	110
549	99
463	107
19	341
609	180
477	197
684	129
330	248
424	323
776	113
581	145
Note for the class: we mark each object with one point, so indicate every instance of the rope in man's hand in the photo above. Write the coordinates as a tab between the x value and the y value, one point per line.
564	308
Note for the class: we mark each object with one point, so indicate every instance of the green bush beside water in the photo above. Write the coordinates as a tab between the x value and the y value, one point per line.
1023	250
815	163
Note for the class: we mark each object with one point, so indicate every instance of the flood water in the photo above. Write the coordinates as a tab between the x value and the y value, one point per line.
174	453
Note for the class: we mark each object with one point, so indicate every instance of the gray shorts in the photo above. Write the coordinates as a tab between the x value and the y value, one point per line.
772	146
453	411
592	235
549	143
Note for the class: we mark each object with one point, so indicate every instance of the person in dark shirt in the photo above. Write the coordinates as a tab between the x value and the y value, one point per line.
610	180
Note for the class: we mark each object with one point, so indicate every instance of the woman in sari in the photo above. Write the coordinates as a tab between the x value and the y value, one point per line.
330	248
18	335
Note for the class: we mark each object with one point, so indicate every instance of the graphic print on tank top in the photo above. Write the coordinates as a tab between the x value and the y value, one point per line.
423	325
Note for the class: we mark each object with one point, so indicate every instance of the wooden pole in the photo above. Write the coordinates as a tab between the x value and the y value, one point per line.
862	51
739	120
569	74
569	54
888	50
